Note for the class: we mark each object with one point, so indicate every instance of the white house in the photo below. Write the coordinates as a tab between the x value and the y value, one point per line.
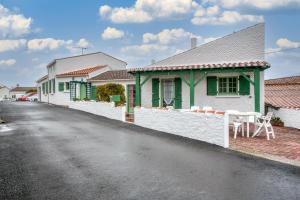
227	73
19	91
282	97
67	77
4	92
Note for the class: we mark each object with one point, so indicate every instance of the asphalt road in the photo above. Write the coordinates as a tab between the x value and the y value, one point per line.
49	152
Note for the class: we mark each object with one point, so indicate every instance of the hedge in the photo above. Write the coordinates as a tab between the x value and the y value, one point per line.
105	91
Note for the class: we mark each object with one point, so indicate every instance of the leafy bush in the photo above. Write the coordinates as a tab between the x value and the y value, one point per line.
276	121
105	91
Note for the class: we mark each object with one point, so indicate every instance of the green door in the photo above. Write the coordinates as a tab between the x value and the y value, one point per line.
82	91
178	93
155	92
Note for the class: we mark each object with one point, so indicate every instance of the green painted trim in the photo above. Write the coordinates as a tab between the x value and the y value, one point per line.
149	76
257	90
192	88
161	100
247	78
186	71
200	79
137	89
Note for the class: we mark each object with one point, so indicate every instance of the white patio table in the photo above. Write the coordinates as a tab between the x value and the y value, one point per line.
246	115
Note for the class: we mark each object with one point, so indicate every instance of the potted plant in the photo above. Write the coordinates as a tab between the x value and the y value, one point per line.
276	121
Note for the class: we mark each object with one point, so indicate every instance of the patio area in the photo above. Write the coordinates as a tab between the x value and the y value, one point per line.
285	147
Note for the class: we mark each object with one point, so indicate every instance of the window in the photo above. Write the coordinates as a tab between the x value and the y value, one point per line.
168	92
227	85
67	85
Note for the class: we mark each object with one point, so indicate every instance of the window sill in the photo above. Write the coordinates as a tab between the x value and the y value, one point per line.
67	91
228	96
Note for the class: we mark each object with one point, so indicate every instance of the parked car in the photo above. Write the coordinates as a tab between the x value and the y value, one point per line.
23	98
33	98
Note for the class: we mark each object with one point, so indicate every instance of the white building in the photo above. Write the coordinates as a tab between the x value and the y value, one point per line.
19	91
227	73
67	77
4	92
283	99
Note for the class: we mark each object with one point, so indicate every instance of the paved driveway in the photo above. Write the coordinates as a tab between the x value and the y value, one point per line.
49	152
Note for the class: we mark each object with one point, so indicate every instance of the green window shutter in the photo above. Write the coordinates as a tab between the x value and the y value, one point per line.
46	85
43	88
211	85
244	88
61	86
155	92
93	93
53	81
178	93
50	89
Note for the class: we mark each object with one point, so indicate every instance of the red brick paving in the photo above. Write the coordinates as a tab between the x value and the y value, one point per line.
286	143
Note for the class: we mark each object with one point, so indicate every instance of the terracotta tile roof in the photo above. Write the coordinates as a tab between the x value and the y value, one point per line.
113	75
81	72
41	79
283	92
289	80
262	64
22	89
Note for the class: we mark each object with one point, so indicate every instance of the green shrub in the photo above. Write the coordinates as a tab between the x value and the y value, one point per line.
105	91
276	121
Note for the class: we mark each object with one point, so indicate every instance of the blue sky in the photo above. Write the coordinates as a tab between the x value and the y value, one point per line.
34	32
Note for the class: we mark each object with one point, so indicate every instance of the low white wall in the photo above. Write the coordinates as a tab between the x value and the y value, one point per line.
290	117
210	128
100	108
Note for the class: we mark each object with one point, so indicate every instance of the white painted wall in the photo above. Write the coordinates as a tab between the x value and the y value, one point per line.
63	97
241	103
17	94
100	108
77	63
290	117
4	93
207	128
84	61
43	97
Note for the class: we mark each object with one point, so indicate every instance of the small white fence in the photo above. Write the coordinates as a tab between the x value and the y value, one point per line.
211	128
100	108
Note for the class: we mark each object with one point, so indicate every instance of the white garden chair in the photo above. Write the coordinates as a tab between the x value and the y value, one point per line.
195	108
265	122
237	122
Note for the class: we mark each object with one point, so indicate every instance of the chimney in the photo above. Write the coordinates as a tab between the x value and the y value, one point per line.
152	61
193	43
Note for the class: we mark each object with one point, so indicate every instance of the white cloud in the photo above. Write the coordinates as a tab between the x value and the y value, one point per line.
225	18
47	44
12	24
83	43
260	4
284	43
146	10
112	33
104	11
10	45
168	36
8	62
144	49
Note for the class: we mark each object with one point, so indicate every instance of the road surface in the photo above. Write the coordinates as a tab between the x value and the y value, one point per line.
50	152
